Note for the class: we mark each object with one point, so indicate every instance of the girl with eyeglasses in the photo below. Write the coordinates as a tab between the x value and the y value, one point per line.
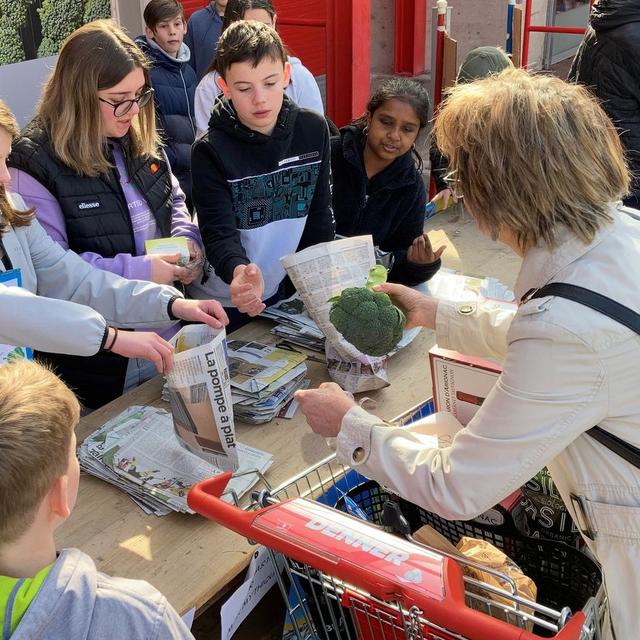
92	165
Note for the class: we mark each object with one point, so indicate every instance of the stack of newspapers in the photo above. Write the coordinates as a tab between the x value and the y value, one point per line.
294	324
263	380
138	451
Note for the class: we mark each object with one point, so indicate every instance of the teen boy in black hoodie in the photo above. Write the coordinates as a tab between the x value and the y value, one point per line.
261	175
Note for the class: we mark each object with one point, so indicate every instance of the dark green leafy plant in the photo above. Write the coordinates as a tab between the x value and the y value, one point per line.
13	15
58	18
15	10
96	10
11	49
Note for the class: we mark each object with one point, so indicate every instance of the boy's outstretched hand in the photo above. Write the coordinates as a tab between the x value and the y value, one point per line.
247	289
421	251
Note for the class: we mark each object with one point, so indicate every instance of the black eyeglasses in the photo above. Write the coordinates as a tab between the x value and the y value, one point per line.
122	108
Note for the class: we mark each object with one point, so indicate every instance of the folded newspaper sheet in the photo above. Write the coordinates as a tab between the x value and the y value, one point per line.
263	379
256	367
321	272
138	451
295	324
200	395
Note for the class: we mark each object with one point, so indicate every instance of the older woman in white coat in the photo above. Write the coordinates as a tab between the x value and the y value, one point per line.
541	170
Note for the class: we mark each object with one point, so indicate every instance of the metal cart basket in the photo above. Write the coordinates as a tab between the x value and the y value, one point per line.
344	578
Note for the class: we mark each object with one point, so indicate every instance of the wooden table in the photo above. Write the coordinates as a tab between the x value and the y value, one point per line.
188	558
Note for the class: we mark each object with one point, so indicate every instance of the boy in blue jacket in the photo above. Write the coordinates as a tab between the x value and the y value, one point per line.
45	593
205	27
261	175
174	82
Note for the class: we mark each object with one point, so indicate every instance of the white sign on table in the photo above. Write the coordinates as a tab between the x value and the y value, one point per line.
260	578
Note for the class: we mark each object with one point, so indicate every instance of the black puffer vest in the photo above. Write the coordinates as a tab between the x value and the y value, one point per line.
97	219
95	210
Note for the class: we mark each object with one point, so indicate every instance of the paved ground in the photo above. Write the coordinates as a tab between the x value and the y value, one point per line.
468	251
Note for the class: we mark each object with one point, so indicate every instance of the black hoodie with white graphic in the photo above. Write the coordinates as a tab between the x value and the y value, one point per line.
259	197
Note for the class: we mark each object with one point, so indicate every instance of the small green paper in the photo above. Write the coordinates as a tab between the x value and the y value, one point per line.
168	246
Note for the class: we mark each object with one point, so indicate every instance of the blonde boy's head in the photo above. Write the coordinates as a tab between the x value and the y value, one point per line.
38	414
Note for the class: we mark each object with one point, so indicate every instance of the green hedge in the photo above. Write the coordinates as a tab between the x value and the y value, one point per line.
11	49
58	18
13	15
96	9
15	10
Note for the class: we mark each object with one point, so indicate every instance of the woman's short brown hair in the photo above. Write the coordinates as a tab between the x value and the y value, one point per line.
9	213
94	57
534	154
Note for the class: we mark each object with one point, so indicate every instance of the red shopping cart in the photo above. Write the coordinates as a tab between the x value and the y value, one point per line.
345	578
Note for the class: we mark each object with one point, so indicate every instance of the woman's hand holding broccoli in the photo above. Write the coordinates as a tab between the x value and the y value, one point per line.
419	309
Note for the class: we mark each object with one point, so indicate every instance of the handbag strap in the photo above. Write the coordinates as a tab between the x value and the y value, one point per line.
617	312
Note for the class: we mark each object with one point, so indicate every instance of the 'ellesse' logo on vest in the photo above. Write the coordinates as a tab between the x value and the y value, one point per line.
88	204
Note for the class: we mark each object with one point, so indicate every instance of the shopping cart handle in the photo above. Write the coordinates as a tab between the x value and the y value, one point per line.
205	498
281	527
213	487
573	629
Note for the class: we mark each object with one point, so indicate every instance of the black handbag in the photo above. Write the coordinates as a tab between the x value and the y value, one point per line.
617	312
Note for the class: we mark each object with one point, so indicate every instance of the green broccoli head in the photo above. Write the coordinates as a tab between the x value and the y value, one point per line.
368	320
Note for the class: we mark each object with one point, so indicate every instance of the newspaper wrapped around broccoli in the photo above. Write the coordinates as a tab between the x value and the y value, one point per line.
367	318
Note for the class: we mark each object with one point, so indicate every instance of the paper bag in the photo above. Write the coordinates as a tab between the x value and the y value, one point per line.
321	272
486	554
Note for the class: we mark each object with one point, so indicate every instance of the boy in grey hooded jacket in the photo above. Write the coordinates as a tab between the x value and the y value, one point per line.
45	594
